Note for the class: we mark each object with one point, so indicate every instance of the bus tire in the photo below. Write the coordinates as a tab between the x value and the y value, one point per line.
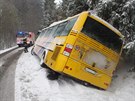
85	83
53	75
43	65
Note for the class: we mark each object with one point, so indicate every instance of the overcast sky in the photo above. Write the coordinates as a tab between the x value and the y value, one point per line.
58	1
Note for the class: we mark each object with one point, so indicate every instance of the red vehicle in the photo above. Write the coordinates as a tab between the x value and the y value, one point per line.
30	36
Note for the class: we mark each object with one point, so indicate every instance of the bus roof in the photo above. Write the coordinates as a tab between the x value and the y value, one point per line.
58	22
92	16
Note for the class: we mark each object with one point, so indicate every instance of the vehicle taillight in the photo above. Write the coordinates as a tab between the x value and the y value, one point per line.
68	49
30	36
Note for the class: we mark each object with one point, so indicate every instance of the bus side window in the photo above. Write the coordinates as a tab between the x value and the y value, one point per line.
41	34
47	32
53	31
69	26
60	29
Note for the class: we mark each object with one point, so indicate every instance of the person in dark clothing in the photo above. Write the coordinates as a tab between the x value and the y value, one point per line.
25	45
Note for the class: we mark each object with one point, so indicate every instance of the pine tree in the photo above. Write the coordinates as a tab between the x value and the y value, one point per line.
119	13
62	9
18	15
77	6
71	7
49	12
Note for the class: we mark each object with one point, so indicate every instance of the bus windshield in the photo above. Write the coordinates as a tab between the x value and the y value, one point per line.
102	34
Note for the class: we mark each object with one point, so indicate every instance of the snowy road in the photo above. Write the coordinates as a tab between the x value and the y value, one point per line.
8	62
31	84
22	79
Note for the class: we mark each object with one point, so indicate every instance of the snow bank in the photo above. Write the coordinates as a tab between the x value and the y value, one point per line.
5	50
129	45
31	84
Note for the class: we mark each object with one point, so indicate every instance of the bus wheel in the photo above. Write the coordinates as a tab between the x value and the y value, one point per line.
53	75
85	83
42	64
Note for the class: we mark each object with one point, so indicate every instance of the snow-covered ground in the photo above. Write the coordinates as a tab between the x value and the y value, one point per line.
31	84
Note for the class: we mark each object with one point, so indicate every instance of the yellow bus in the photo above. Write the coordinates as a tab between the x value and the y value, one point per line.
84	47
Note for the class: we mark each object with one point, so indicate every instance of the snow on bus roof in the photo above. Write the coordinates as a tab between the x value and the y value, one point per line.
93	15
55	23
60	21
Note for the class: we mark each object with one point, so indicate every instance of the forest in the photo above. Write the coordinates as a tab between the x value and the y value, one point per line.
33	15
